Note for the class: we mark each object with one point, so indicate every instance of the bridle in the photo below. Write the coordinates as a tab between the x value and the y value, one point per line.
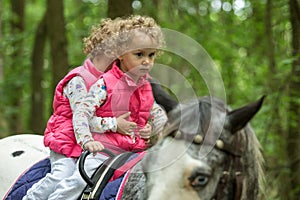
233	169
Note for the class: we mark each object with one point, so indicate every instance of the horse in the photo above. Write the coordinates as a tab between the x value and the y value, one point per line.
18	153
207	151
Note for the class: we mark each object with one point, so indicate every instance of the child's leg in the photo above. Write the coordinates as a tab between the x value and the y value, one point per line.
71	187
61	167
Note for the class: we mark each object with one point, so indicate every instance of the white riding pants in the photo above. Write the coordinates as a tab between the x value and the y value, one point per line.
71	187
61	168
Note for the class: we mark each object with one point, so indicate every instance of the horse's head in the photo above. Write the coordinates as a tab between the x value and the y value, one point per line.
208	152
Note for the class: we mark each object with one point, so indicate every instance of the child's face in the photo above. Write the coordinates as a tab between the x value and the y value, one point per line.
140	60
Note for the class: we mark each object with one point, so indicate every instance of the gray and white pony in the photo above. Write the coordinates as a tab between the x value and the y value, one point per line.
207	152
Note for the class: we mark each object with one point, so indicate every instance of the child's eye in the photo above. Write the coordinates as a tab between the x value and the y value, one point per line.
139	54
152	54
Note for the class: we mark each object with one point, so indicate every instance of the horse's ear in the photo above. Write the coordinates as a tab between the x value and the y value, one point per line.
237	119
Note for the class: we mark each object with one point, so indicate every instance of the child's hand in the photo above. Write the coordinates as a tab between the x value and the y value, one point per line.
124	126
93	147
145	132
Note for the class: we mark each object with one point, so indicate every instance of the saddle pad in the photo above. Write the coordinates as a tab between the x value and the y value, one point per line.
26	180
110	192
114	189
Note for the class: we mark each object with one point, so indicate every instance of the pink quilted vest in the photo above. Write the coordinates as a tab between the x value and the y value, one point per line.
59	135
124	95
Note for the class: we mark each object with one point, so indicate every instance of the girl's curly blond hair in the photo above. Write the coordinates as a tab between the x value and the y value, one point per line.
111	37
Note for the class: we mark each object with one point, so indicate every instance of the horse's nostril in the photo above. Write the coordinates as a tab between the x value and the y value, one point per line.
17	153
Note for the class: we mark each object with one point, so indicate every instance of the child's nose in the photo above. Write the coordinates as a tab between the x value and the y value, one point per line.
146	61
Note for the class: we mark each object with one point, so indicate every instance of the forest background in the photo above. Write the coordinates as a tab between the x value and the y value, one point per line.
254	43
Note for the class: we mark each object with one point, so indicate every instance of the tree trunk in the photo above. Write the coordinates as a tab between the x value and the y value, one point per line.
37	122
1	55
3	121
270	38
58	41
293	147
117	8
275	127
15	87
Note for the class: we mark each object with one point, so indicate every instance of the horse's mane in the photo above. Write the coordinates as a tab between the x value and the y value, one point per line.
254	162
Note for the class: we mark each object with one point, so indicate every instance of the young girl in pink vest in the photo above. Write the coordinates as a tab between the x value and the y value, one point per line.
59	134
122	91
65	146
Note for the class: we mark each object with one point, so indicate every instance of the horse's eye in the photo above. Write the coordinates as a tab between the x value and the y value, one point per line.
199	181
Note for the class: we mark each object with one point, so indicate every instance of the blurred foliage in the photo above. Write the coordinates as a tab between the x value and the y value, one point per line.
232	32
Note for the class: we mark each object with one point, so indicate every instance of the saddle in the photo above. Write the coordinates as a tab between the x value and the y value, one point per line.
111	169
105	180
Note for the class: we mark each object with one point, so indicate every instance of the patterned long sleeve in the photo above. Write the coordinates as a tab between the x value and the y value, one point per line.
76	91
158	118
